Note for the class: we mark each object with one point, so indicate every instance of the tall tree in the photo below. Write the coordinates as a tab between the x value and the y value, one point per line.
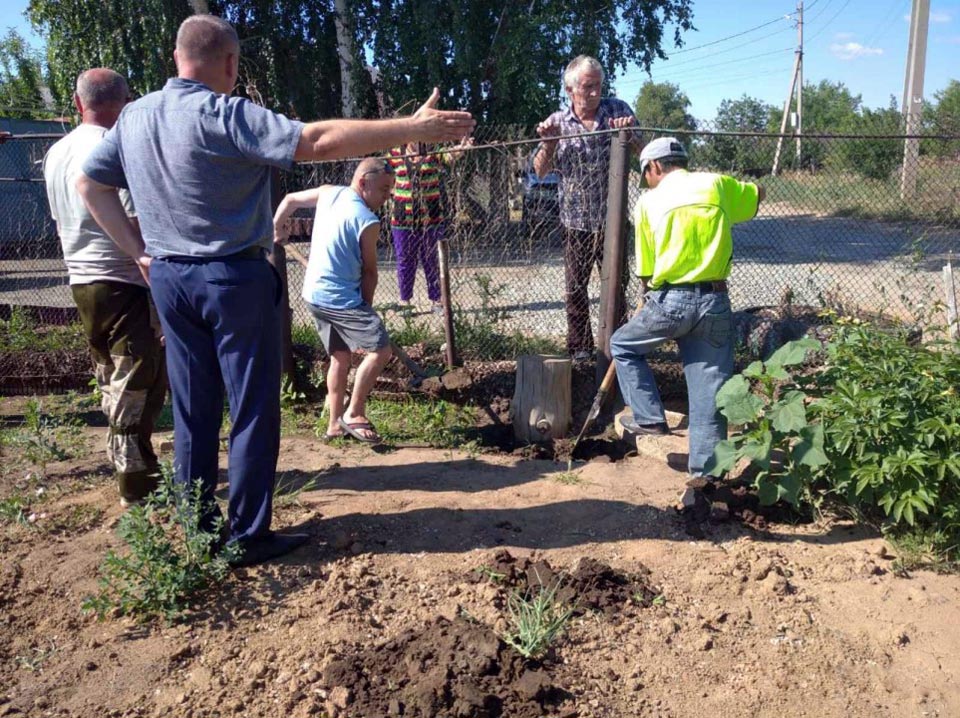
741	155
503	61
22	87
662	104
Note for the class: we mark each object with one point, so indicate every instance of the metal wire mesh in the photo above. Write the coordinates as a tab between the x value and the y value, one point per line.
836	231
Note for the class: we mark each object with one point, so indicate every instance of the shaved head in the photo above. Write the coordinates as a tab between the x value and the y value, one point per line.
370	166
101	88
206	38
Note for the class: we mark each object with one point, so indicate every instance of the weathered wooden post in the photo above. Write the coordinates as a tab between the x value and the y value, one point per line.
542	401
953	325
614	254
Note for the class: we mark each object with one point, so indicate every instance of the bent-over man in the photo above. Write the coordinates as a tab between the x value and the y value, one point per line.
197	163
110	292
339	285
583	165
684	252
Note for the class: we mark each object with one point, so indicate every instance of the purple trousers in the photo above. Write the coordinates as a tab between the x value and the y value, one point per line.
413	247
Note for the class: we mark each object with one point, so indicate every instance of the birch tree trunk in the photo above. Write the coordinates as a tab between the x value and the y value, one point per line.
346	55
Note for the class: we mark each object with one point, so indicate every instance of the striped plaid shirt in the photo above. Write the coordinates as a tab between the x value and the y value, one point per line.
583	164
417	194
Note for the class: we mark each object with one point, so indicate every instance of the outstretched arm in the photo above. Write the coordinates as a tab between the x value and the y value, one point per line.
336	139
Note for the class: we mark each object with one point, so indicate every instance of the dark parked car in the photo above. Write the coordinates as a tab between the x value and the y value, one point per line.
541	202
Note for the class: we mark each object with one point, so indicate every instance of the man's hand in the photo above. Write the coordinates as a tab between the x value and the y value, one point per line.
281	231
143	264
441	125
548	128
618	123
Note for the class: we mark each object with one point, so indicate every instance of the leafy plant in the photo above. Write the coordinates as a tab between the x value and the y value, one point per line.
775	434
13	510
170	557
535	621
435	423
892	415
46	437
289	394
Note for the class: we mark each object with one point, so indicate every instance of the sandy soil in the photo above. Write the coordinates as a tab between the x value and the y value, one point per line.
384	613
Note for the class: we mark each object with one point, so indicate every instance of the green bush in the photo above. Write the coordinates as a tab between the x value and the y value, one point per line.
170	558
877	426
892	417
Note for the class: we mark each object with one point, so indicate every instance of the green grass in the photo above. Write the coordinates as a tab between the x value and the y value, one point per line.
20	332
416	421
568	478
849	195
923	549
536	621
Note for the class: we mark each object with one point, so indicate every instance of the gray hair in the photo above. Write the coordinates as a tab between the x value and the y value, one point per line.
100	87
577	66
206	38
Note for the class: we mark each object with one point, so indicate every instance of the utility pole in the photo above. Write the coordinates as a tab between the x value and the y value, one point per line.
797	74
913	95
799	82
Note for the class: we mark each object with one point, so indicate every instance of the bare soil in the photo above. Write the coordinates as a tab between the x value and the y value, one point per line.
397	605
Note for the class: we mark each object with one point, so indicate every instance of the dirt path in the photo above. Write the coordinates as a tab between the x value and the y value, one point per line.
798	621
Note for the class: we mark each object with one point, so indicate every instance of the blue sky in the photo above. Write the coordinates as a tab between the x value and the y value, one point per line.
862	43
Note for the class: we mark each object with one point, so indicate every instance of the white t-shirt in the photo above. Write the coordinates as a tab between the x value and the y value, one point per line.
90	254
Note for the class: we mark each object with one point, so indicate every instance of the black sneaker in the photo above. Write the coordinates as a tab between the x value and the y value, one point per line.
265	548
659	429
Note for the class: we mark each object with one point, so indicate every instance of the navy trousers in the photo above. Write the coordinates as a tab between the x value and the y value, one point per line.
221	320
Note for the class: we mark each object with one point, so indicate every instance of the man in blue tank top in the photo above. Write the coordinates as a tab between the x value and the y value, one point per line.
339	284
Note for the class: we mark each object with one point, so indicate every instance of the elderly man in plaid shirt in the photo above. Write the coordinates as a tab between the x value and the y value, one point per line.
582	163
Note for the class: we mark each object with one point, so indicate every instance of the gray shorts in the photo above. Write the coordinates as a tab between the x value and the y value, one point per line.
350	329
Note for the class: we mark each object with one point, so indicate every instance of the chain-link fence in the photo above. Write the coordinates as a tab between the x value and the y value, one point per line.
841	228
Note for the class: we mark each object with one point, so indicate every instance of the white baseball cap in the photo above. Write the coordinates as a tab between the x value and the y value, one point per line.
660	149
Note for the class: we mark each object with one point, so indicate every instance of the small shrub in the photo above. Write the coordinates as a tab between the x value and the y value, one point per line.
170	558
46	437
775	435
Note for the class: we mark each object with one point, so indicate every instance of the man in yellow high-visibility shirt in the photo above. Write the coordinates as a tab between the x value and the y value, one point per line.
684	253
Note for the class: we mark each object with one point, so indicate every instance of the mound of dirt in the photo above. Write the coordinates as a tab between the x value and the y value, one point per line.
461	667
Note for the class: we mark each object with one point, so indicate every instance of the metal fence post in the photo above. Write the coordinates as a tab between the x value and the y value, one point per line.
278	258
614	254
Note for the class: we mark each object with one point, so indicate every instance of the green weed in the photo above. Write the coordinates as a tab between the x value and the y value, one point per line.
568	478
169	560
535	621
435	423
47	437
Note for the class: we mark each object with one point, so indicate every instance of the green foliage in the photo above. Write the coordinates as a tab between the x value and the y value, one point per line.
435	423
943	118
535	621
481	52
892	417
775	435
21	79
46	437
289	395
170	559
20	332
412	332
663	105
479	335
737	154
827	106
13	509
866	156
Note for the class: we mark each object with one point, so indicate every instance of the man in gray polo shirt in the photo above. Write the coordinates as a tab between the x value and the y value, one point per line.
197	163
110	292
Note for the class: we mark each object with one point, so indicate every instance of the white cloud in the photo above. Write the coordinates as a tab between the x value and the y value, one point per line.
853	50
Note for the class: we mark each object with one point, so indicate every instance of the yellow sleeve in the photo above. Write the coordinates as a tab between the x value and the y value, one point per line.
740	199
646	255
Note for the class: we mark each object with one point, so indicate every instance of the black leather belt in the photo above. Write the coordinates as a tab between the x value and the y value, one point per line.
254	252
713	286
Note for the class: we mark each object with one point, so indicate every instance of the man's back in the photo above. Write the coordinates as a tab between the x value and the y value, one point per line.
333	273
88	251
197	164
684	226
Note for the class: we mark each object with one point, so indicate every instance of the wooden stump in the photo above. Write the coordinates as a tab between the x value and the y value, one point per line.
542	398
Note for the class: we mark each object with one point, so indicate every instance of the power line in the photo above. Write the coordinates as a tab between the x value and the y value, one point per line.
881	26
731	37
737	78
827	23
733	62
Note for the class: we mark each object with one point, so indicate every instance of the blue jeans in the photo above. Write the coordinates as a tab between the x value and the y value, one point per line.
702	325
221	320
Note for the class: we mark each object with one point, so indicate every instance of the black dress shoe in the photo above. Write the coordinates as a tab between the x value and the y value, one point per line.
633	427
264	548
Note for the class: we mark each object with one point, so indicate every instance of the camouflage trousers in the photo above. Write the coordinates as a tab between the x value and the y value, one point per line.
122	330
